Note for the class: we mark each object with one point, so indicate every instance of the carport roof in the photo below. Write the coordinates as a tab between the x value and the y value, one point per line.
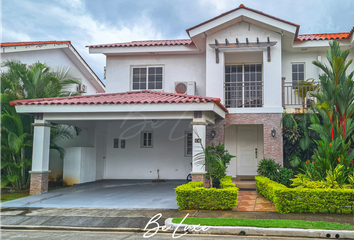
134	97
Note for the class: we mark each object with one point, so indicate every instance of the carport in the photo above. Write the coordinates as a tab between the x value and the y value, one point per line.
132	135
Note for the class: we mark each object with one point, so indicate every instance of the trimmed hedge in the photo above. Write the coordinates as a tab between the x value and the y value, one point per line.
319	200
194	196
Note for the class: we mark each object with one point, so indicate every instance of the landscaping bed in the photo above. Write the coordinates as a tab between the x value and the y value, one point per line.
194	196
318	200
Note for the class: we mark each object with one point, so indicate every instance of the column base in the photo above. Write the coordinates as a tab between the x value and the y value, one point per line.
200	177
39	182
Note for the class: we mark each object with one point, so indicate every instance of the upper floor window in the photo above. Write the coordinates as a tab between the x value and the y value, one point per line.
149	77
243	86
298	73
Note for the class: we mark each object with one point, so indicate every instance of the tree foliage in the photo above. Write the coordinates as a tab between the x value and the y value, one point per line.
19	82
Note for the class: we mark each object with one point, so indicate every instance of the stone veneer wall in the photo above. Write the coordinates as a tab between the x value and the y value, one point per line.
219	128
273	147
39	183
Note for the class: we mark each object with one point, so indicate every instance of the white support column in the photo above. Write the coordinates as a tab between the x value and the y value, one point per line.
199	139
40	157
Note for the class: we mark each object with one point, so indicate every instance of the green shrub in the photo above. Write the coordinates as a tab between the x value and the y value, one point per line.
194	196
227	182
266	187
305	199
285	176
270	169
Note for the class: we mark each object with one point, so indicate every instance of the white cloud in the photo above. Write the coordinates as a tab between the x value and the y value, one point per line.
218	5
15	35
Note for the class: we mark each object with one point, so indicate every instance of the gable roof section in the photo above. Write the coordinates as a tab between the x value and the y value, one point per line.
147	43
247	8
42	43
136	97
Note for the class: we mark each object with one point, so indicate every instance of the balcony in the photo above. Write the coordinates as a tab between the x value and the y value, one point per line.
298	95
244	94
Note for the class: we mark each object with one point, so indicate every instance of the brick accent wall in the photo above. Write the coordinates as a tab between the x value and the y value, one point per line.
200	178
220	132
39	183
273	147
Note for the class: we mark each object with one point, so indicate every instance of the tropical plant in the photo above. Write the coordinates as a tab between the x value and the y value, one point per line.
18	82
216	158
285	176
335	107
298	139
270	169
304	87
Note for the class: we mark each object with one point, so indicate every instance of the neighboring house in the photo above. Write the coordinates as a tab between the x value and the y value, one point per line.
57	54
239	70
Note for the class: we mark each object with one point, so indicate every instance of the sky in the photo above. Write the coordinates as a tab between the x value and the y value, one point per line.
87	22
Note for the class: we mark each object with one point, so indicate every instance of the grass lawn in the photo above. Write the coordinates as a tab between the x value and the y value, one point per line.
6	195
268	223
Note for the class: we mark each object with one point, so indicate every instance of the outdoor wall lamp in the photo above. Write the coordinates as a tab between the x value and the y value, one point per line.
213	133
273	132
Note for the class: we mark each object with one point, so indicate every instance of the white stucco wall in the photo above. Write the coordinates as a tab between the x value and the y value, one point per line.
134	162
79	165
271	70
177	68
83	140
311	71
53	57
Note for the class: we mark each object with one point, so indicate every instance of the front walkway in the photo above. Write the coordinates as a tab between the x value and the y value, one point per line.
251	201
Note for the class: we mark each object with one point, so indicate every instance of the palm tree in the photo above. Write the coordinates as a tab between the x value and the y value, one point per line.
19	82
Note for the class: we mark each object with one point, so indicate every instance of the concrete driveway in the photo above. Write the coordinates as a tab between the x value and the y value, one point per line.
106	194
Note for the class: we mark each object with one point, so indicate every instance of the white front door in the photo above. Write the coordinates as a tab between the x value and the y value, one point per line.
246	150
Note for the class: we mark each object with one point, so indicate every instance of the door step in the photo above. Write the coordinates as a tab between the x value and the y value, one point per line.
245	182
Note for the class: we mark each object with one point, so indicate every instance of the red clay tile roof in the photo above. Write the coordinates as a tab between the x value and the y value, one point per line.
147	43
250	9
13	44
324	36
136	97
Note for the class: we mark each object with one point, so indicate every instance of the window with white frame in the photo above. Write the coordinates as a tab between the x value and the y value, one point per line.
147	77
243	86
146	140
188	147
298	73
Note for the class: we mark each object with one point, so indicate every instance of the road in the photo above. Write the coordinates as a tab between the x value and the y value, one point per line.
83	235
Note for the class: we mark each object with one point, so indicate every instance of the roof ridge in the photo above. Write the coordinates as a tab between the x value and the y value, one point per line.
10	44
185	39
324	33
140	43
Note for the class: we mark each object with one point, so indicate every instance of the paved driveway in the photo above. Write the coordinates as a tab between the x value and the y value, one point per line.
106	194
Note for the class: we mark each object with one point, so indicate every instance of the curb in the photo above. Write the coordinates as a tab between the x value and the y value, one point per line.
257	231
68	228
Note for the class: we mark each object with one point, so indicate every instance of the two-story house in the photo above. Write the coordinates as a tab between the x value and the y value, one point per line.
230	83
